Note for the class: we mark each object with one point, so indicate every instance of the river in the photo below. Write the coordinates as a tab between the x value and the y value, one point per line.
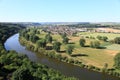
12	43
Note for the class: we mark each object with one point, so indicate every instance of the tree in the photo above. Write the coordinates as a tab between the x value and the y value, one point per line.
117	61
104	38
38	32
34	31
56	46
48	38
65	40
64	35
99	37
82	42
22	74
41	43
33	38
69	49
117	40
27	36
95	44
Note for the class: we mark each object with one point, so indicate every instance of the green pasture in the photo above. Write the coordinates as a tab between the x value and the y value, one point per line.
95	34
96	57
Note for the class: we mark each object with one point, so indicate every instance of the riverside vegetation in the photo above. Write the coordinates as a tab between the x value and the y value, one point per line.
77	50
14	66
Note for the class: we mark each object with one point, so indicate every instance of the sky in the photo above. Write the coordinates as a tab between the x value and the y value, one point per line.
59	10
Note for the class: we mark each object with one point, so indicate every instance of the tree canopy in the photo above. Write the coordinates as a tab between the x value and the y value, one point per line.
117	61
95	44
56	46
69	49
82	42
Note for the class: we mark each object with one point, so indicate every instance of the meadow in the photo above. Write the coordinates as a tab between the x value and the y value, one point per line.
88	55
95	34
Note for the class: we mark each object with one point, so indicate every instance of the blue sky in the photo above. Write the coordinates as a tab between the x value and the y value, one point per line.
59	10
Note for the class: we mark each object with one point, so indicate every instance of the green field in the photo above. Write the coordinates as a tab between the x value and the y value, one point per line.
95	34
96	57
113	47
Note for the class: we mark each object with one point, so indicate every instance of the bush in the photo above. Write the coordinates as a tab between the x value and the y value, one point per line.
95	44
64	58
117	61
58	56
70	60
91	67
82	42
76	61
117	40
69	49
56	46
82	65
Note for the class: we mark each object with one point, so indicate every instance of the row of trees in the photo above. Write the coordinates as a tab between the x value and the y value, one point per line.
42	42
104	38
30	37
93	44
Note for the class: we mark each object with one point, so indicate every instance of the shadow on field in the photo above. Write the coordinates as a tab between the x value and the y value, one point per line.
76	55
87	46
101	47
71	43
63	51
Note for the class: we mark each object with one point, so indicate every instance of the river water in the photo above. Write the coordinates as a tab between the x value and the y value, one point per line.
12	43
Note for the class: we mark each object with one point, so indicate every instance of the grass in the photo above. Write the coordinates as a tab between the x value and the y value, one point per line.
113	47
105	44
109	35
96	57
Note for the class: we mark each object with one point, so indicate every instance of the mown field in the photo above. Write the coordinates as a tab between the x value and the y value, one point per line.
90	56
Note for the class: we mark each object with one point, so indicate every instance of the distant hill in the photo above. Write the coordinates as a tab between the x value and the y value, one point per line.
108	23
63	23
28	24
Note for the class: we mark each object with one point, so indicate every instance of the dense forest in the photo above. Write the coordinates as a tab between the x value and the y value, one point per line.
8	29
14	66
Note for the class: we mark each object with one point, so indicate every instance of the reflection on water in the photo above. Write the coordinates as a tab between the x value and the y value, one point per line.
67	69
